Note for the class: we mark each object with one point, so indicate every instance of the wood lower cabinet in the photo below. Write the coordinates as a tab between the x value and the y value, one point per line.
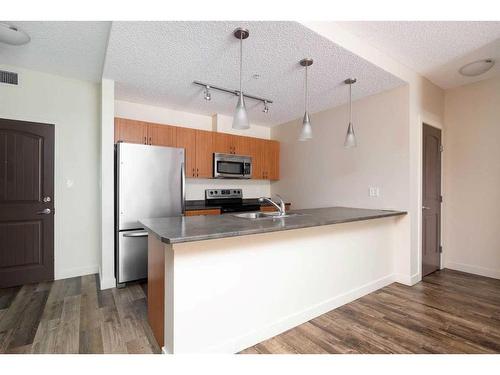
271	208
200	146
210	211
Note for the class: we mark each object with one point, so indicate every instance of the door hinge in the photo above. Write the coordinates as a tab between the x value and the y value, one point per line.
441	148
440	249
441	199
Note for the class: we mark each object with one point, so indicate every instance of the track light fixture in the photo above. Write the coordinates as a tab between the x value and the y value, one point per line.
207	94
266	107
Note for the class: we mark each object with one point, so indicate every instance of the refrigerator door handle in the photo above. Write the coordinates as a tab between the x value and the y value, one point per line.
136	234
183	187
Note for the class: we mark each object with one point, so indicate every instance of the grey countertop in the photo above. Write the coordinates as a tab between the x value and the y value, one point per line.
197	228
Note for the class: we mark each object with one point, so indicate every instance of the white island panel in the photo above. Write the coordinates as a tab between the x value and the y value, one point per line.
231	293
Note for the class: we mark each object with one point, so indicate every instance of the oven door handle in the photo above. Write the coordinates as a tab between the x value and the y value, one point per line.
136	234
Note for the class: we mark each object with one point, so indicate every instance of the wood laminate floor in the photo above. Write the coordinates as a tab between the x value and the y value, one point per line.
74	316
448	312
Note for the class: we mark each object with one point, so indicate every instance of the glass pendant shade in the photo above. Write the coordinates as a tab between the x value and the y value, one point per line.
240	118
306	132
350	138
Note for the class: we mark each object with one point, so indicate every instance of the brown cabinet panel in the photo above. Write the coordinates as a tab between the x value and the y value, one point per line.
162	135
243	145
186	139
223	143
257	153
211	211
130	131
272	160
204	154
272	208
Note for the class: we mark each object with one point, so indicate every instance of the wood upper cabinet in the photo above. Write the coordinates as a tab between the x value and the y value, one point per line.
265	159
204	154
272	160
186	139
130	131
200	145
223	143
162	135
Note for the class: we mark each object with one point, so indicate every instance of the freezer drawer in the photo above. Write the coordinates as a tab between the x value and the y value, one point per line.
132	257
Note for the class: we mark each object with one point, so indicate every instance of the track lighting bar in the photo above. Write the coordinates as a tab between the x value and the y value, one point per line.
234	92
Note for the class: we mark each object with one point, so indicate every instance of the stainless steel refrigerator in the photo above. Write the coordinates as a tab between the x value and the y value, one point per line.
149	183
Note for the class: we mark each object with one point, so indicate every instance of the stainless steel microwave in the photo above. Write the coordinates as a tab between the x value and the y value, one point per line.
232	166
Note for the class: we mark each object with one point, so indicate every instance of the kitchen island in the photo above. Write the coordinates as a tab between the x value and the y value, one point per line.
224	283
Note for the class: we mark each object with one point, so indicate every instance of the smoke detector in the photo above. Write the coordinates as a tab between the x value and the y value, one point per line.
476	68
12	35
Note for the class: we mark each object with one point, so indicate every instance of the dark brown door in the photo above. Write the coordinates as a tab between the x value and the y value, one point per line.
26	202
431	200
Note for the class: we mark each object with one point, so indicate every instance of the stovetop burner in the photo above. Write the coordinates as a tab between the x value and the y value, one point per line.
229	200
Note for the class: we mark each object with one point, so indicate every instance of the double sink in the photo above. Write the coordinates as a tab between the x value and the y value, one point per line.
264	215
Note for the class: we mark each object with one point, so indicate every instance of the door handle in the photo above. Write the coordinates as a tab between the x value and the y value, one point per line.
45	211
425	208
136	234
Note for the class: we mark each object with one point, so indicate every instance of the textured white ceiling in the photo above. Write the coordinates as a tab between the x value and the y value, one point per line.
435	49
71	49
156	62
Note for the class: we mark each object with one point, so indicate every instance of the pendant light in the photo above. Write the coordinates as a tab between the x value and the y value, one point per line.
306	132
350	137
240	118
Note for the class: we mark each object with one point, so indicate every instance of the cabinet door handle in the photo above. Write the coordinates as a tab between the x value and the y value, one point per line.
150	140
145	141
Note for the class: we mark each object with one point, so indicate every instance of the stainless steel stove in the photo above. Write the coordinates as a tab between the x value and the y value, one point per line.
229	200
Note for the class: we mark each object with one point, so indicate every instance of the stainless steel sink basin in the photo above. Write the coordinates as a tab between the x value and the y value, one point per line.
263	215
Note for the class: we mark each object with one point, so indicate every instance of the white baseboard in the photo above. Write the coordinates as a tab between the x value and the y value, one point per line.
74	272
107	282
476	270
288	322
407	280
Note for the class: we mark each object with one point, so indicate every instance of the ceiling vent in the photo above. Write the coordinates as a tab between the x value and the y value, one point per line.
8	77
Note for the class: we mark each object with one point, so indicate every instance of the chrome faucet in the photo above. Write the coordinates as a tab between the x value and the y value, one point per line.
281	207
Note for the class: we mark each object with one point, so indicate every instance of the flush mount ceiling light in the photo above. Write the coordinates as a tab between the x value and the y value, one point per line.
12	35
350	137
476	68
306	132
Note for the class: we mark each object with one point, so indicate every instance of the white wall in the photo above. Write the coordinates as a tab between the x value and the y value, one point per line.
426	104
73	106
195	188
322	173
471	173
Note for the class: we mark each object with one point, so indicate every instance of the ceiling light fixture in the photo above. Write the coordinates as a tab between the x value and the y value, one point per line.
476	68
240	118
306	132
350	137
12	35
266	107
207	94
